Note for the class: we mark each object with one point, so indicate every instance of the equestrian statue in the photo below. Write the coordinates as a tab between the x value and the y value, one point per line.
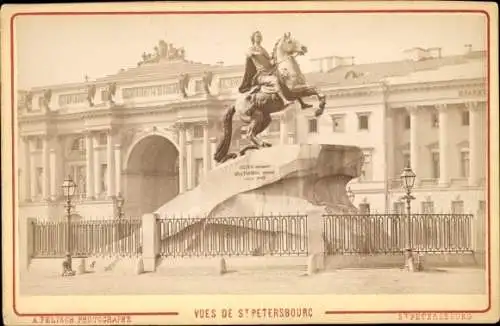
270	84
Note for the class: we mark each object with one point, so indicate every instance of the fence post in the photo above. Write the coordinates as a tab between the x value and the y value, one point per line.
150	242
26	242
315	240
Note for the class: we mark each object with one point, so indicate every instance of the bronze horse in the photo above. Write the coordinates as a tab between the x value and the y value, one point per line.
254	108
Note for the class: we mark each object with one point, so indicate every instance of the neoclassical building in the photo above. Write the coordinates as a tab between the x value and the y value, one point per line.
149	132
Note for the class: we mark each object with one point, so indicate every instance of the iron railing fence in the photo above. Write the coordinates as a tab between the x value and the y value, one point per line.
274	235
121	237
388	233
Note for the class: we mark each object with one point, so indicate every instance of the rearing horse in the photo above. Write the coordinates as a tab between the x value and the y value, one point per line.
254	108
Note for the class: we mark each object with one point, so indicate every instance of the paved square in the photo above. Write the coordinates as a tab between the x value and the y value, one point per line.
348	281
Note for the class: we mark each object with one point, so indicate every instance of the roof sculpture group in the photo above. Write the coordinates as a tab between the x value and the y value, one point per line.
163	51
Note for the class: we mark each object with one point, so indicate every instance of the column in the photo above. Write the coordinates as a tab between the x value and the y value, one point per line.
46	167
474	143
189	159
444	179
33	174
182	155
25	150
390	148
206	153
283	129
89	157
213	148
110	171
118	169
53	173
414	145
61	171
97	167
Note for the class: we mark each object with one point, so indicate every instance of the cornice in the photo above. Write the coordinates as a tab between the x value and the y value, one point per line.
124	111
427	86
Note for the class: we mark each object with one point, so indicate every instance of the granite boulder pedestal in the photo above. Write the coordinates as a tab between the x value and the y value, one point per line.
286	180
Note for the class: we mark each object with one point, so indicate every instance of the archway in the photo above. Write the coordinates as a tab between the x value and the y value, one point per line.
151	176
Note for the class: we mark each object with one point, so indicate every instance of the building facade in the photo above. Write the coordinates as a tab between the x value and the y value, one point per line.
149	132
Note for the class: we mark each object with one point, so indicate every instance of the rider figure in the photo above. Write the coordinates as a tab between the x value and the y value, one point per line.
263	71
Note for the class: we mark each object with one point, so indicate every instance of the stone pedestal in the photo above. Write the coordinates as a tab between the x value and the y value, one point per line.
150	244
25	242
81	267
315	241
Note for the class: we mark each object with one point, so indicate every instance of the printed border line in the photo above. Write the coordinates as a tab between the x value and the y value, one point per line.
377	11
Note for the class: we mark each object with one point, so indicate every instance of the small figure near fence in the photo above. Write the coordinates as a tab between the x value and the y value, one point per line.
67	269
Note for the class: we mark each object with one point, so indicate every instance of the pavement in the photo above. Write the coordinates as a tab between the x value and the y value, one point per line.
343	281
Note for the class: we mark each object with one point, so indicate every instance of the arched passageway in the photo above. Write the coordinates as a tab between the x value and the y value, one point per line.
151	176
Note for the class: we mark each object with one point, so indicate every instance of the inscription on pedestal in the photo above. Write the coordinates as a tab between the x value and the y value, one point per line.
249	172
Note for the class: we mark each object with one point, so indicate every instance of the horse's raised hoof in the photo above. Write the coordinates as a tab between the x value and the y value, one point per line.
264	144
318	112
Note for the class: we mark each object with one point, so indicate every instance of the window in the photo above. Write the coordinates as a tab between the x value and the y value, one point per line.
407	121
464	164
39	178
104	184
150	91
79	175
338	123
77	172
364	208
313	126
78	144
465	117
198	171
38	143
198	86
427	207
103	138
75	98
435	120
230	82
399	207
274	126
406	160
363	121
367	168
457	207
435	165
198	131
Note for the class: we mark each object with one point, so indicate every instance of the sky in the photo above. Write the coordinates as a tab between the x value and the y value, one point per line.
53	50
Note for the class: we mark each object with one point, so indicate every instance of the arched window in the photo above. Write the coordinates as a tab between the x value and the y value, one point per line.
78	144
78	149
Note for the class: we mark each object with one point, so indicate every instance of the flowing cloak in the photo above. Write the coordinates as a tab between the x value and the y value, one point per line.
248	77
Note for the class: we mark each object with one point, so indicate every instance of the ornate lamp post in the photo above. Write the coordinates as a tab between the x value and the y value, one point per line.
350	194
69	187
119	204
408	181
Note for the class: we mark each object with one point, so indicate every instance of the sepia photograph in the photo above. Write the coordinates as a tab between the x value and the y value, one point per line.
183	153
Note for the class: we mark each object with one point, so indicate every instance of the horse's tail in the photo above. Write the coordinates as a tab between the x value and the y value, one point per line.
223	147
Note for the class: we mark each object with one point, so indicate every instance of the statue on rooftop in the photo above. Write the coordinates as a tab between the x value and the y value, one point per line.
207	81
163	48
110	93
183	84
28	101
91	90
47	96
